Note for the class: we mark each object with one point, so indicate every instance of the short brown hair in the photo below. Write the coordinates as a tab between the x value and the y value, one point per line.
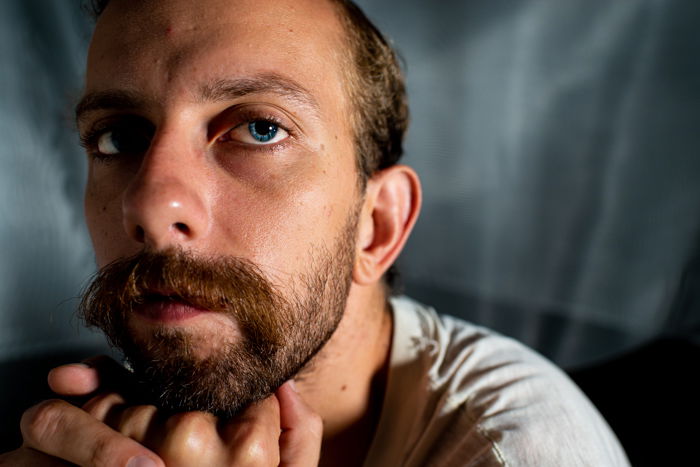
377	92
375	85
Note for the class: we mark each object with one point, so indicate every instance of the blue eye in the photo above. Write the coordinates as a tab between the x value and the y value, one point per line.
258	132
262	130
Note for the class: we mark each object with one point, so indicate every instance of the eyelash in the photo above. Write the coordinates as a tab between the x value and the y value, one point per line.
246	116
90	139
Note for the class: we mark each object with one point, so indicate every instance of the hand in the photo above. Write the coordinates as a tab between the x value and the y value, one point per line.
280	430
57	433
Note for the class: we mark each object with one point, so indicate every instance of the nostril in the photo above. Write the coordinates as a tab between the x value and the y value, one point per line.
140	234
182	228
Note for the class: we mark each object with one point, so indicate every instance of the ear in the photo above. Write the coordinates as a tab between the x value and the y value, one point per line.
391	206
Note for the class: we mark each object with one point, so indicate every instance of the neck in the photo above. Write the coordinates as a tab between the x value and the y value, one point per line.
345	382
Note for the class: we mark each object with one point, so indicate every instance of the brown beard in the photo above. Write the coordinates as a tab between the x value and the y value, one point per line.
279	335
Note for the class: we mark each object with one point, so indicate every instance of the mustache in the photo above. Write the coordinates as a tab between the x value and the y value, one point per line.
228	285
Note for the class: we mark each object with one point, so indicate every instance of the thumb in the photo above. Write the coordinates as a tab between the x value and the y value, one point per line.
302	429
82	379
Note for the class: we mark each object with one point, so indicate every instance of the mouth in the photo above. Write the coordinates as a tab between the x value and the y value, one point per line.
166	308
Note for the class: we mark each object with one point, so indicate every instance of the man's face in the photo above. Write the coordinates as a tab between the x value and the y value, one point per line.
220	129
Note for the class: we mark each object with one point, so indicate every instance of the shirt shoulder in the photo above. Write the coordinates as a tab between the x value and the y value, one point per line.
460	394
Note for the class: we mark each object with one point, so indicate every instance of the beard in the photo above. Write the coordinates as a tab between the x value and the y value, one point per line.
279	333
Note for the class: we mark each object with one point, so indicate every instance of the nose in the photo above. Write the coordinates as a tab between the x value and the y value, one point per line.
165	204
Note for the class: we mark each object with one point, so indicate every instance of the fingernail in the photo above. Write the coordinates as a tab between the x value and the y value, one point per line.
141	461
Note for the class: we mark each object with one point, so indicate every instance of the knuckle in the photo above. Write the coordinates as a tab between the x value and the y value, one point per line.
253	443
244	432
42	421
190	421
92	406
258	451
191	434
100	405
135	421
136	413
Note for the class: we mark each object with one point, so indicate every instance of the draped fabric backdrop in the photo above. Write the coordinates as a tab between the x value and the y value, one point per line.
558	146
557	143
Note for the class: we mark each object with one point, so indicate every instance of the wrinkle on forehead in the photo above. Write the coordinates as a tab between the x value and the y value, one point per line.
175	18
183	29
167	50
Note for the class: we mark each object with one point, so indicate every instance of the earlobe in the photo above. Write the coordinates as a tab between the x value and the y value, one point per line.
392	204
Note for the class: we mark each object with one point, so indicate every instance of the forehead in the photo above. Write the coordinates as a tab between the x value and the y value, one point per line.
167	47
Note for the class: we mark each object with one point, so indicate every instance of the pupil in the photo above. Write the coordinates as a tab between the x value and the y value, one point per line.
264	128
120	141
126	141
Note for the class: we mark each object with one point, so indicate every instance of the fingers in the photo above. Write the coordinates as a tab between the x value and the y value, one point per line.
62	430
104	405
80	379
302	429
191	438
184	439
253	436
75	379
139	422
280	430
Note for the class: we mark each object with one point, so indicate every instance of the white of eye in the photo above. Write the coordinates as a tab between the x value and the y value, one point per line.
105	144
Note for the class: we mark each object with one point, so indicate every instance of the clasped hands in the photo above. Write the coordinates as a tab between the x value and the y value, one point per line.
108	432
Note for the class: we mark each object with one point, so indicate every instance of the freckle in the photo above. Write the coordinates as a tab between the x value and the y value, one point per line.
291	30
104	208
323	147
344	387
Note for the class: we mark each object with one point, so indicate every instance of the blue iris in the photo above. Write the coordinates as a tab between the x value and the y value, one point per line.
262	130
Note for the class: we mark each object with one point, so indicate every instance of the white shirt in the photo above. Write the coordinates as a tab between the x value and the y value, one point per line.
461	395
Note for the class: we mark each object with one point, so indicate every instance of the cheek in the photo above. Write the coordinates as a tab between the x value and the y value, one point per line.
281	229
103	218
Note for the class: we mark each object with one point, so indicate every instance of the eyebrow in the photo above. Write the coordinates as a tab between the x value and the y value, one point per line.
111	99
216	91
269	83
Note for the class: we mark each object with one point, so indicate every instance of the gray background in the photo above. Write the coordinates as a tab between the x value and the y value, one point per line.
557	143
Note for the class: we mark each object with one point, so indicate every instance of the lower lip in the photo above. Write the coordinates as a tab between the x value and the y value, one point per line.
168	312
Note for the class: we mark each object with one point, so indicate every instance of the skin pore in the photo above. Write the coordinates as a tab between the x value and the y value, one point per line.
172	89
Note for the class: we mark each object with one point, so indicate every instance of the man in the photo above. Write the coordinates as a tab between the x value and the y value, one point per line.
245	205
